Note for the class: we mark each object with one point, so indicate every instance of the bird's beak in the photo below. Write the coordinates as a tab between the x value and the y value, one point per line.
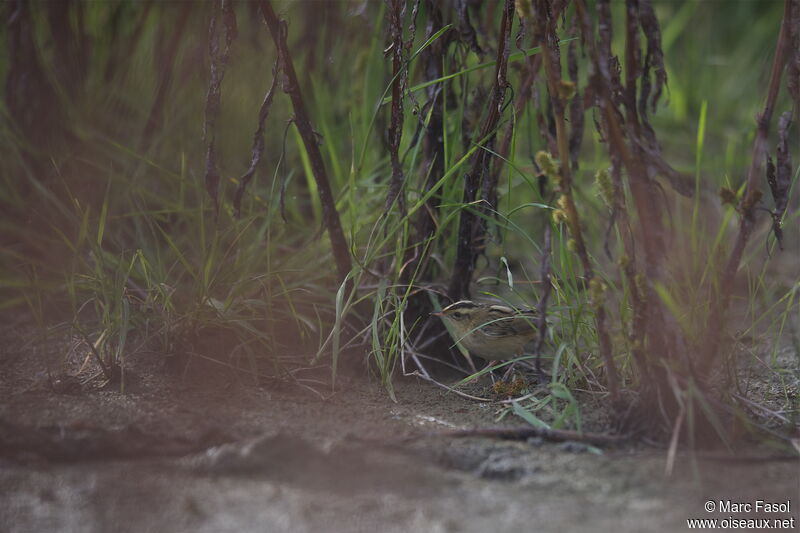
437	313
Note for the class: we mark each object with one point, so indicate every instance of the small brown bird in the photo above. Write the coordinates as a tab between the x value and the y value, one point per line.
491	332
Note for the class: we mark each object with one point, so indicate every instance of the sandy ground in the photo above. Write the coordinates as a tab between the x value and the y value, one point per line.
179	454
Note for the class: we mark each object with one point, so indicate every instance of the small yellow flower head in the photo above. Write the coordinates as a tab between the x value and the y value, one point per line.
547	164
597	293
559	216
566	89
604	186
624	261
572	246
524	9
562	202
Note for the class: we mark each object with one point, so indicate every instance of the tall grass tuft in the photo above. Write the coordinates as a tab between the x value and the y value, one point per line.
284	190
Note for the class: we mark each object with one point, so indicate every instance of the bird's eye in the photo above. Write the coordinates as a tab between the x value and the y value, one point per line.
457	315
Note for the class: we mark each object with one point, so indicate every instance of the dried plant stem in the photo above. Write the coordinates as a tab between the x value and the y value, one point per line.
399	75
432	146
547	286
333	224
470	232
552	69
557	435
531	69
751	197
628	267
222	9
258	142
650	322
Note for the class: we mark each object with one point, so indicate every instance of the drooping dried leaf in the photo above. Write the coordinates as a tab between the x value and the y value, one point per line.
727	196
633	55
465	27
777	230
654	57
258	142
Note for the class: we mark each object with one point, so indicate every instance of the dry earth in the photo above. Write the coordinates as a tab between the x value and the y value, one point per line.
208	453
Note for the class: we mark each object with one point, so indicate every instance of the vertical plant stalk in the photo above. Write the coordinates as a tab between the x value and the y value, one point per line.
751	197
470	233
219	62
651	321
330	215
400	75
547	286
558	89
638	327
654	329
642	187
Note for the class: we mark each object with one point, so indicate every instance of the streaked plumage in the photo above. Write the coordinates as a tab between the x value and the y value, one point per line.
492	332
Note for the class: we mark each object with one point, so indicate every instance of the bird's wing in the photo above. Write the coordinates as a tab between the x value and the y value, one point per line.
504	322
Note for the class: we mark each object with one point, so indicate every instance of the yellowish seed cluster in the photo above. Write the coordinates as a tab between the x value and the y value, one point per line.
597	293
604	186
547	164
572	246
559	216
566	89
524	9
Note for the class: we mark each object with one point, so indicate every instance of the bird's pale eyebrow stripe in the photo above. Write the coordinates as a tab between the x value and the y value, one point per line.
501	309
463	304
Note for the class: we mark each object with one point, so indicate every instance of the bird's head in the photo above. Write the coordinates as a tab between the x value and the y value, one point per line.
462	314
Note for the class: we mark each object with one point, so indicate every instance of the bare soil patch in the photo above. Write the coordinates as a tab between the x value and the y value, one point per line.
207	452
